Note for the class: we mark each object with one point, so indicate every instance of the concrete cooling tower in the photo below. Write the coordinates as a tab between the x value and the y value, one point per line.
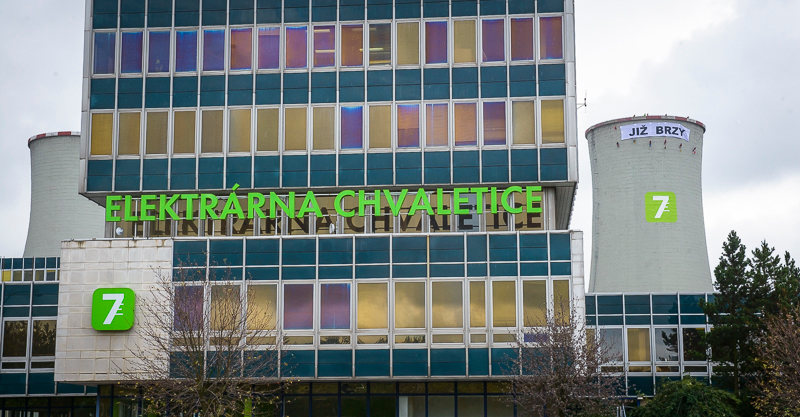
58	212
648	233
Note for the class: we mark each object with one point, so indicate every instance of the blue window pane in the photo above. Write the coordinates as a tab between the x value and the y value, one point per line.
186	51
214	50
104	48
159	52
352	127
131	52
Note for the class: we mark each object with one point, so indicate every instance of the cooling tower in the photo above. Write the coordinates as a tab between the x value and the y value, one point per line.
648	233
58	212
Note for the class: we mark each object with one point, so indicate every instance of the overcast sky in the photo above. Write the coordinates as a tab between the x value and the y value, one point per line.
732	64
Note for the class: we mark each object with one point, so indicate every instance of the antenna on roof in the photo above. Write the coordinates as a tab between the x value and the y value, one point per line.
584	104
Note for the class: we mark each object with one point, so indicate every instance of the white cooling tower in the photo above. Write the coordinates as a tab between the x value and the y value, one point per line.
648	233
58	212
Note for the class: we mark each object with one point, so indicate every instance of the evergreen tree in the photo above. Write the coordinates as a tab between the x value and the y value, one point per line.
786	293
688	398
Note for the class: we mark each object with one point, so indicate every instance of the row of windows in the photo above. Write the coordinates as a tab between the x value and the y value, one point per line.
30	338
641	349
329	46
328	128
60	406
29	269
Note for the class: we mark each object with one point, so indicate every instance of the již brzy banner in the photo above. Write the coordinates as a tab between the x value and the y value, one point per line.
651	129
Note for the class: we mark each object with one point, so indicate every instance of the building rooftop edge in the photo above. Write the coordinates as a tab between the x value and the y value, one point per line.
639	118
52	134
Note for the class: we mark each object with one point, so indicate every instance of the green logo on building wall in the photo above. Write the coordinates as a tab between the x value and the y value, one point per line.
112	308
660	207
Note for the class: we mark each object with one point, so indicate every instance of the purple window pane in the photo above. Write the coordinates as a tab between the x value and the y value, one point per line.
296	45
408	125
334	306
159	52
214	50
493	47
131	61
298	307
435	42
104	48
241	49
352	127
186	51
324	46
494	123
269	48
188	308
550	43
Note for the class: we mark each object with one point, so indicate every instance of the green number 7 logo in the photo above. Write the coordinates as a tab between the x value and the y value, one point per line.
112	308
660	207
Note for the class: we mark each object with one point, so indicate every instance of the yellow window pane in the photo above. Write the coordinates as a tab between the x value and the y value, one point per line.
447	304
436	124
102	130
211	133
552	121
380	127
504	304
466	124
267	129
638	345
239	130
294	125
464	41
129	133
409	305
408	43
261	302
225	307
380	43
352	45
534	303
324	127
373	306
561	301
183	132
156	133
477	304
524	122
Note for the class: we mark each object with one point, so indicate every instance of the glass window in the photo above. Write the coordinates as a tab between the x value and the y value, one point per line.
492	35
441	406
298	306
477	304
471	406
213	50
326	224
185	50
612	339
408	43
324	128
666	342
241	49
494	123
183	131
435	42
269	48
239	130
294	125
262	301
693	349
156	133
534	303
296	44
380	43
521	39
15	339
552	121
44	338
352	45
380	127
464	41
267	130
499	406
447	304
561	292
226	308
409	305
352	134
324	46
334	310
436	124
550	46
158	61
639	345
104	51
441	222
129	133
211	133
466	124
504	304
408	125
102	129
131	61
373	306
409	223
523	122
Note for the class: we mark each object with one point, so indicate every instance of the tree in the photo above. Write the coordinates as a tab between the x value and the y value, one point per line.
688	398
558	368
202	350
779	384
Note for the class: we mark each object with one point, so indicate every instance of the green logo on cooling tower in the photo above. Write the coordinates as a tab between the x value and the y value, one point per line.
112	308
660	207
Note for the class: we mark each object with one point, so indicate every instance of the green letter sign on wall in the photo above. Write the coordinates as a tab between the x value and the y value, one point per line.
660	207
112	308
